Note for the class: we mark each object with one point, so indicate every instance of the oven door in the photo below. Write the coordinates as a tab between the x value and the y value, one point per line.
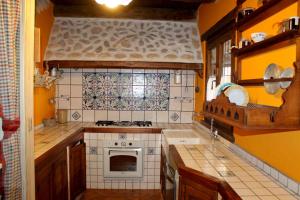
123	162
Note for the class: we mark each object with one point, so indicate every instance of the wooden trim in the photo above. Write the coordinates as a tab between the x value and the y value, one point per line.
222	26
55	150
263	12
122	130
26	98
260	82
208	181
123	64
278	41
175	156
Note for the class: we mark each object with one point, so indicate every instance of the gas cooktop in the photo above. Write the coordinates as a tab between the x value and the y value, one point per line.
123	123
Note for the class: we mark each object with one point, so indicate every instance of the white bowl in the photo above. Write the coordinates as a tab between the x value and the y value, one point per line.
258	37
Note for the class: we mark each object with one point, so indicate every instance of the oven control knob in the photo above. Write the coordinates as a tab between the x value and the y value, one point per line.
130	144
116	144
123	144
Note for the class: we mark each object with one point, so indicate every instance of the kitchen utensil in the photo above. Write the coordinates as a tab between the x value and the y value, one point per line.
258	36
245	12
294	23
283	26
62	116
49	122
273	71
197	88
244	43
287	73
238	95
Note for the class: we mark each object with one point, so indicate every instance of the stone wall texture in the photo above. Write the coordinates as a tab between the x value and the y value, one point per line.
94	39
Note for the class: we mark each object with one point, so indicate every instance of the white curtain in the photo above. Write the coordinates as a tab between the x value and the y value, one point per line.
9	95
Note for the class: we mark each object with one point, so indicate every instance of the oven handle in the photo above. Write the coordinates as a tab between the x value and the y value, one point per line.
124	150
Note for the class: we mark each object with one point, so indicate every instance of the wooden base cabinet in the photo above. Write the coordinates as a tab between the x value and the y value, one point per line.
61	173
77	169
52	179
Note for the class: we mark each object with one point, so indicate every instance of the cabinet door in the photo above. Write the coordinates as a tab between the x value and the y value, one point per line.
60	177
77	169
163	173
43	183
189	190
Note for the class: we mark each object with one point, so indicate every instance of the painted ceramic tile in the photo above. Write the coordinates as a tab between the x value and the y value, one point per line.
125	91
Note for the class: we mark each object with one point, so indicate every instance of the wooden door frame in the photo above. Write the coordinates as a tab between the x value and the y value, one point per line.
26	98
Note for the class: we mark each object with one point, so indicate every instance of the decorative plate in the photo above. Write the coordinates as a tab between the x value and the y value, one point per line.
223	87
238	95
273	71
287	73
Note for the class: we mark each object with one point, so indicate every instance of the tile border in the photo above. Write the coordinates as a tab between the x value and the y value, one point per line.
279	177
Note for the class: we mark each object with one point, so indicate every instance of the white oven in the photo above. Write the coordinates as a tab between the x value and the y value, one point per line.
123	159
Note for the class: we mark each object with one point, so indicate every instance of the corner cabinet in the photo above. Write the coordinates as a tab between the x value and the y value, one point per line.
60	173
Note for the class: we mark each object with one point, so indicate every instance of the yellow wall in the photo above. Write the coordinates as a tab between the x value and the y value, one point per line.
42	108
281	149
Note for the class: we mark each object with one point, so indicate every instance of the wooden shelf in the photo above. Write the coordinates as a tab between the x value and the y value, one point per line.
198	67
263	13
260	82
259	117
280	40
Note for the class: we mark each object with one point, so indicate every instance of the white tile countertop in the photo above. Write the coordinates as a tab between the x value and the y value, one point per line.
217	159
48	137
214	158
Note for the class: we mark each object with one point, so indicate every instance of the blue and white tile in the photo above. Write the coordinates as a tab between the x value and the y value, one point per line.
174	117
76	115
113	70
76	70
138	79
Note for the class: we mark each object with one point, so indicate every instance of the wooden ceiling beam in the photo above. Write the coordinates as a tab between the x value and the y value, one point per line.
124	13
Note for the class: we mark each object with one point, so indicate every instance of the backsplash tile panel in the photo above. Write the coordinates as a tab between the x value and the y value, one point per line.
126	94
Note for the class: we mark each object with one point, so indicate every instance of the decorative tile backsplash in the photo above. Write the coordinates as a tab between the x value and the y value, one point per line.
126	95
125	91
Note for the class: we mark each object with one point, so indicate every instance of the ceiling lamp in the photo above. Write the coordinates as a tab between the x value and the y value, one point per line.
114	3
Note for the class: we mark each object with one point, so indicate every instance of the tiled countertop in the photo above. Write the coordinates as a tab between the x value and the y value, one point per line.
47	138
218	160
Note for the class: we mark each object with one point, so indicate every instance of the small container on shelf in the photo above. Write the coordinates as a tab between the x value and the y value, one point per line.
294	23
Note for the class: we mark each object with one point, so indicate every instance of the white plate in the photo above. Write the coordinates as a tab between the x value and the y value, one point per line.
238	95
287	73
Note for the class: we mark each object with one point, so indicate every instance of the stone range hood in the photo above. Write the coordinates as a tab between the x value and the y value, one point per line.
117	40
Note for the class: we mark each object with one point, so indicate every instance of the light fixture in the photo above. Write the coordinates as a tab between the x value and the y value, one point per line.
113	3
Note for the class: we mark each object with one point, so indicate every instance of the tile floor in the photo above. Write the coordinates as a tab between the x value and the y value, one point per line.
121	195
